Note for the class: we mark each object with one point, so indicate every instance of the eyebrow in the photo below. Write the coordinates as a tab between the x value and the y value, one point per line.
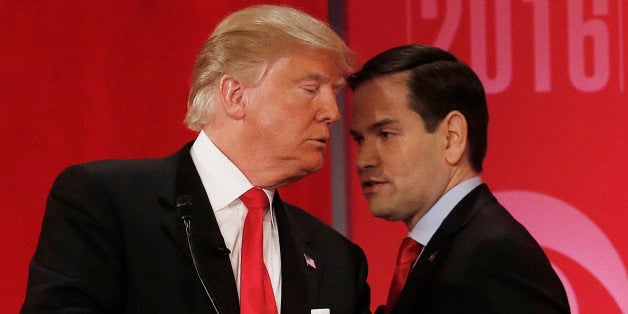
382	123
316	76
324	79
377	125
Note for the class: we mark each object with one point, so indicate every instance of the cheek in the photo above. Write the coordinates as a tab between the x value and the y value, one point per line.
404	159
276	117
414	167
291	113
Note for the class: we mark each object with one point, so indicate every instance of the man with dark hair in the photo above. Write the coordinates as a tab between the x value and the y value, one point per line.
420	123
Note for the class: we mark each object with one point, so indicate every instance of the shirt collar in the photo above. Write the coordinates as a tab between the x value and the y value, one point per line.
425	228
222	180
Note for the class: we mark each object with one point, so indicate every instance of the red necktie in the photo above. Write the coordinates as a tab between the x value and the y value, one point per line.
256	291
408	253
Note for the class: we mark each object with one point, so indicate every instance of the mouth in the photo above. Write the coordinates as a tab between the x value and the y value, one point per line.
371	186
320	142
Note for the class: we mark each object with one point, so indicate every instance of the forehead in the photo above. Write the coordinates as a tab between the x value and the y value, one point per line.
314	64
381	97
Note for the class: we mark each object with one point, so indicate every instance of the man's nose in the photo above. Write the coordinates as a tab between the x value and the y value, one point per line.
329	111
367	156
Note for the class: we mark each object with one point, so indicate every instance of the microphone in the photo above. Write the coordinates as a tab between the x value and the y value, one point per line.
184	205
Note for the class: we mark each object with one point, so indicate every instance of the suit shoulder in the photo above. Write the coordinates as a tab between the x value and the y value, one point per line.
495	221
116	168
495	234
112	175
103	167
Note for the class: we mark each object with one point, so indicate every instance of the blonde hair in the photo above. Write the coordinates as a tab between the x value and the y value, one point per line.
245	42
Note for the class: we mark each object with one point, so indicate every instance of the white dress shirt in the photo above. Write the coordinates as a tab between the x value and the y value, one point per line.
425	228
224	183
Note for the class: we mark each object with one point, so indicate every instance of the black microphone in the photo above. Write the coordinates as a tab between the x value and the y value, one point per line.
184	205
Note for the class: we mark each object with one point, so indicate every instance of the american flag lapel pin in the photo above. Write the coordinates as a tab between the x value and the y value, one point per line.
432	257
309	262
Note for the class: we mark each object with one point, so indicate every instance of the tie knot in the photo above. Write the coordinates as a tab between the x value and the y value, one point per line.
254	199
409	251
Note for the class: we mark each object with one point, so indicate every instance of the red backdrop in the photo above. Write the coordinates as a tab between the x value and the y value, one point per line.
87	80
81	81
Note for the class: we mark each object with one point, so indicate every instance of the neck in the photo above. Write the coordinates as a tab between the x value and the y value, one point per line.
458	174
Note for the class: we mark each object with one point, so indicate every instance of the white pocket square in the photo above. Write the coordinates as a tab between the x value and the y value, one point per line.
320	311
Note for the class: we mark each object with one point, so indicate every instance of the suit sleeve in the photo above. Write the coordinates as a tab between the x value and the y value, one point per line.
77	265
506	275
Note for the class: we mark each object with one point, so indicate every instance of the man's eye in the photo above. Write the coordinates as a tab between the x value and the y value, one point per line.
311	89
385	134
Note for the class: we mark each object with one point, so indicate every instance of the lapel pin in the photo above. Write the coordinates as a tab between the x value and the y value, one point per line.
432	257
309	262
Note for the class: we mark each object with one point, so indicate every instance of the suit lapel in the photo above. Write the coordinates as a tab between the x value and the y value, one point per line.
210	250
299	280
439	245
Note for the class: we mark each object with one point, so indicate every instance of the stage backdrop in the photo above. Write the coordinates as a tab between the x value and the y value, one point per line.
86	80
555	75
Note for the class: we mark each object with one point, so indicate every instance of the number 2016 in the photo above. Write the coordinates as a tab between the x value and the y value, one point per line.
593	30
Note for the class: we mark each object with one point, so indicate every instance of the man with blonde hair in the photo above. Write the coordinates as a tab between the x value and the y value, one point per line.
203	230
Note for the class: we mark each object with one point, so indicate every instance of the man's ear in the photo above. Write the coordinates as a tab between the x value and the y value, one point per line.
456	129
230	93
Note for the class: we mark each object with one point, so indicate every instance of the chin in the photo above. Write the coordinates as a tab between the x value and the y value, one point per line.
379	213
383	212
313	165
296	174
315	169
386	216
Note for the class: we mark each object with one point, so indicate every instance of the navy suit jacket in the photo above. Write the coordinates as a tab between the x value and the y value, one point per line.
113	241
481	260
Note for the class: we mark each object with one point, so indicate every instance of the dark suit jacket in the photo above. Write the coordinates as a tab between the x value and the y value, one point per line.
481	260
113	241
